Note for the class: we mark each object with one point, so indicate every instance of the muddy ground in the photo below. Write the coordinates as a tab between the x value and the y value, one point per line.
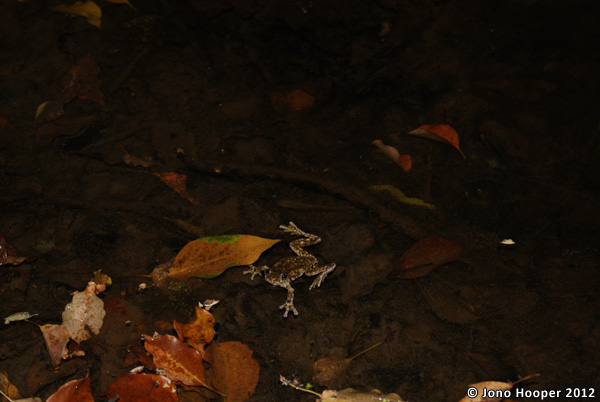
188	87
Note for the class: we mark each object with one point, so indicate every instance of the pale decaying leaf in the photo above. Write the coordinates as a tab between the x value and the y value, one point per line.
402	160
85	311
89	9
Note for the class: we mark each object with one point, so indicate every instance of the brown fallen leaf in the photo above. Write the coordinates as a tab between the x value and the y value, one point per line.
199	332
426	255
56	338
85	311
74	391
402	160
331	371
178	183
142	388
233	370
494	391
440	133
208	257
181	362
89	9
296	100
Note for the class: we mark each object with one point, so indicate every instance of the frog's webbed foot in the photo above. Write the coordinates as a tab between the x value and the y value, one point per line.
323	273
255	270
289	302
288	306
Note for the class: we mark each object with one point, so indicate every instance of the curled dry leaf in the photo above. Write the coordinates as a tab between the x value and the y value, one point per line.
296	100
56	338
234	371
76	390
143	387
402	160
426	255
85	311
181	362
89	9
208	257
123	2
440	133
199	332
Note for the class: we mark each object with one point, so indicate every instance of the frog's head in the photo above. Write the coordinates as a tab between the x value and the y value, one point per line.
277	278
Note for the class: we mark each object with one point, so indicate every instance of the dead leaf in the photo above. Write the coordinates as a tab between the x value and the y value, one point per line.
123	2
331	371
402	160
199	332
178	183
440	133
181	362
208	257
494	391
426	255
233	370
74	391
7	387
56	338
296	100
85	311
89	9
142	388
401	197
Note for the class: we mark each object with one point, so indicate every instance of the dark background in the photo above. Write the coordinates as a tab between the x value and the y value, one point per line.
189	84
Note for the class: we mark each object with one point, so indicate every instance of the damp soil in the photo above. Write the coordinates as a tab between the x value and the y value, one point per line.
189	87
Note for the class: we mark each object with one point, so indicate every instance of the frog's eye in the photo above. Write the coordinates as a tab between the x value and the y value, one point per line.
267	271
283	277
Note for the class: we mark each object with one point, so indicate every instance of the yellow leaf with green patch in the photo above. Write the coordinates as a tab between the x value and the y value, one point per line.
401	197
208	257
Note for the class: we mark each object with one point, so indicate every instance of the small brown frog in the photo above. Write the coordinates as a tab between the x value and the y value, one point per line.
287	270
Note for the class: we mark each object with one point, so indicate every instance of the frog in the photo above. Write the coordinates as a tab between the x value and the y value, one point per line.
284	272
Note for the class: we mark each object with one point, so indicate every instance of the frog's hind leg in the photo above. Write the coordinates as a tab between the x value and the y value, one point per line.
289	302
296	245
322	272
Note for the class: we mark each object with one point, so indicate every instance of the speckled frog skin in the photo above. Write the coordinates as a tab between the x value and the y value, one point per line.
289	269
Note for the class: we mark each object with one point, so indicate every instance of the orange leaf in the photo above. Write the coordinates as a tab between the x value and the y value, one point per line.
234	371
199	332
56	338
74	391
426	255
177	182
440	133
296	100
210	256
89	9
402	160
181	362
143	388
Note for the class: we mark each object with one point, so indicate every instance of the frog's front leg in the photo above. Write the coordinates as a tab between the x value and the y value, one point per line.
321	271
289	302
255	270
